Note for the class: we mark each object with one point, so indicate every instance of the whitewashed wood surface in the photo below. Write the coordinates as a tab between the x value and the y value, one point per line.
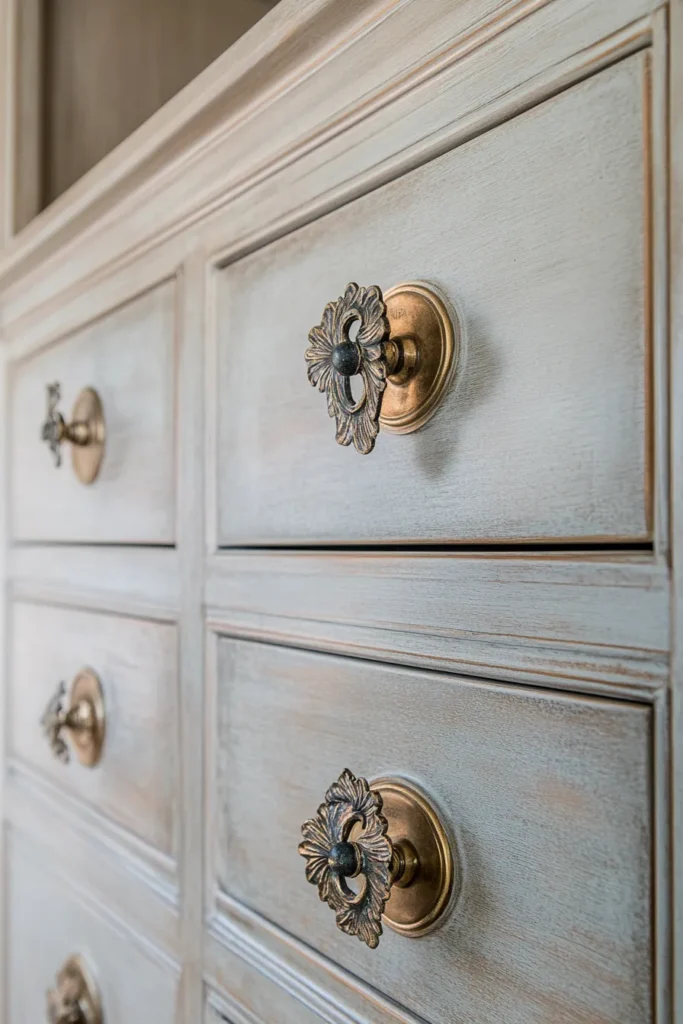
49	920
136	781
548	796
129	358
544	433
322	104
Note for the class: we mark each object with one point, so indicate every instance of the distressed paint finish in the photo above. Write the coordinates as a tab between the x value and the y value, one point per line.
548	797
543	434
128	357
315	117
49	919
136	782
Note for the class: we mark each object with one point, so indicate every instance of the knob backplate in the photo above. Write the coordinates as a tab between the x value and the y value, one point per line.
416	310
86	459
417	908
87	744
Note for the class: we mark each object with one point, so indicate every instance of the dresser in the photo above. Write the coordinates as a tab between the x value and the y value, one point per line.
341	500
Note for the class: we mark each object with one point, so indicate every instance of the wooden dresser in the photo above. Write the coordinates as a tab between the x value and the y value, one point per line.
342	506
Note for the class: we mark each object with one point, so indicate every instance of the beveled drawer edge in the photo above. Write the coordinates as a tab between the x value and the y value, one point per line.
98	578
99	904
222	1004
360	605
228	1008
25	786
333	993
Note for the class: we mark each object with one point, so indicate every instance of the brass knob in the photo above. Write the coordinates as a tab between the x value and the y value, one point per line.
405	351
391	839
83	720
85	432
75	999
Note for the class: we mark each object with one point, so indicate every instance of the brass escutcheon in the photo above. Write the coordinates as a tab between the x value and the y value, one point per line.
389	838
405	350
415	907
418	314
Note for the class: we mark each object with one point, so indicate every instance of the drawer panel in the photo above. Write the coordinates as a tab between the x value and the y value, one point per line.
135	782
537	231
547	794
128	357
48	921
253	999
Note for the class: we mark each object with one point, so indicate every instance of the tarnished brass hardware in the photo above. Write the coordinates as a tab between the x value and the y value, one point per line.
405	352
83	720
76	999
85	432
406	879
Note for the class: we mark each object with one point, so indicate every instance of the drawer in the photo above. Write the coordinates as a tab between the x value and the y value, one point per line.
49	921
134	781
546	798
128	358
537	232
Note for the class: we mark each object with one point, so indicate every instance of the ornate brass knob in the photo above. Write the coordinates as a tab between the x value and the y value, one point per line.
406	878
405	351
85	432
83	720
75	999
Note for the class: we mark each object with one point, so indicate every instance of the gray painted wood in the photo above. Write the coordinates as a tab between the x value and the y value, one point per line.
543	435
547	794
323	103
49	920
570	621
250	998
128	357
135	783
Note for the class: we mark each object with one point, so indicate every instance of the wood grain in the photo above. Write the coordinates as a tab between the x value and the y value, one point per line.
675	736
377	108
548	796
543	435
129	358
249	998
144	582
28	96
49	920
128	59
141	883
586	623
191	632
136	782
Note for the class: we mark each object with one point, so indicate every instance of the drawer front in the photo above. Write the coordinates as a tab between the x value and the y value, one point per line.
537	231
134	783
128	358
48	922
547	796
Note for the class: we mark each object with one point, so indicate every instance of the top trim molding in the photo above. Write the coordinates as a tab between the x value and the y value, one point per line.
254	113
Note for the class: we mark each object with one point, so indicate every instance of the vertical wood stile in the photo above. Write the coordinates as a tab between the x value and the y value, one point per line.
676	390
189	440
